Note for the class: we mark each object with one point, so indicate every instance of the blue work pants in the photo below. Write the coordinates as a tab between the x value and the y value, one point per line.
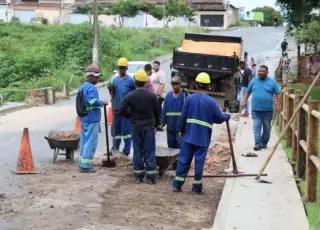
184	162
88	143
122	131
144	154
173	139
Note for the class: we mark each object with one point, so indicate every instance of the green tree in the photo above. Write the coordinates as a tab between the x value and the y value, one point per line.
173	9
151	8
309	33
270	14
87	9
297	12
124	8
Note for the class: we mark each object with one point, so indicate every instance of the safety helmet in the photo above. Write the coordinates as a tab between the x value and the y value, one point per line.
123	62
93	70
176	79
140	76
203	78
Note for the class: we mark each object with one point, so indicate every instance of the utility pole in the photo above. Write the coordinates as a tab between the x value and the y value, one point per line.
95	48
164	14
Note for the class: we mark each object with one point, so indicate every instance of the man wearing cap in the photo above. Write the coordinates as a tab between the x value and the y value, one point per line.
122	84
90	122
171	113
199	113
142	107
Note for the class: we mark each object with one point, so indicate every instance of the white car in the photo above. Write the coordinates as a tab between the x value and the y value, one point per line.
134	66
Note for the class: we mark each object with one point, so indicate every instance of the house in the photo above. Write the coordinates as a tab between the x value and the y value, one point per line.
3	10
213	14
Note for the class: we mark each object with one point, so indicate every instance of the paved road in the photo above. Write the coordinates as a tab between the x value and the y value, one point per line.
259	42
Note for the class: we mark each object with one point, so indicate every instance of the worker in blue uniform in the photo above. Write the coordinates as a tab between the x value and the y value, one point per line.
199	113
90	122
142	106
121	85
171	113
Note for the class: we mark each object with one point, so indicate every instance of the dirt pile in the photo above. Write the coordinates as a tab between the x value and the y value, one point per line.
64	135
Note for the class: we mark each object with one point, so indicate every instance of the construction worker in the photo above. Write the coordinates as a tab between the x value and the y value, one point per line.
142	106
171	113
199	113
90	121
122	84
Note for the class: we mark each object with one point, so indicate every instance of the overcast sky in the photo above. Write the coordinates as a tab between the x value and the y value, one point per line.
250	4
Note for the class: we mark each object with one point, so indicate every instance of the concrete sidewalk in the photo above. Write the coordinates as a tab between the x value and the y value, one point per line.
248	205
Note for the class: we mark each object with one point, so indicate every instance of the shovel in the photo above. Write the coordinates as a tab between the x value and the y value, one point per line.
107	163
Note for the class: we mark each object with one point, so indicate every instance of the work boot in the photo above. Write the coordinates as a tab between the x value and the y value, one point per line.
173	187
92	170
124	155
138	180
256	148
198	193
151	182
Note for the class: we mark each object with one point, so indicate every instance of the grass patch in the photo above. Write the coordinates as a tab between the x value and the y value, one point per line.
35	56
315	93
312	208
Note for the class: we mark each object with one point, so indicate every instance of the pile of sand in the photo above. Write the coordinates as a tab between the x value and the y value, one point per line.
211	48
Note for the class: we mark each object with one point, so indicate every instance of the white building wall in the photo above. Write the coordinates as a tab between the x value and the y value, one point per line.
3	13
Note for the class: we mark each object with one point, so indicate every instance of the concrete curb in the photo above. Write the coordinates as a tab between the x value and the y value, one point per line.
13	109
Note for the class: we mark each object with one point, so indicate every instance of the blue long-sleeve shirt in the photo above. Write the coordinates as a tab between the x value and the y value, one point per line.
122	86
199	113
172	109
92	103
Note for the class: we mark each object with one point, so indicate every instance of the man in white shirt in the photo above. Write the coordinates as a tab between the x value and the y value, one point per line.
158	82
249	61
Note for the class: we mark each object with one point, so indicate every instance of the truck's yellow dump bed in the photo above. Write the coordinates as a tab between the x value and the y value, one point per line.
211	48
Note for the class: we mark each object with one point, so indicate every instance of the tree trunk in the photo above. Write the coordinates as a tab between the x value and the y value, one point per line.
95	48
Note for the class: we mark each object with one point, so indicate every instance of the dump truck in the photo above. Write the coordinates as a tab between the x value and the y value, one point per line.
218	56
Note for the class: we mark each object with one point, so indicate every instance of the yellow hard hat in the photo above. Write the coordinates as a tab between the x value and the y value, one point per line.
203	78
141	76
123	62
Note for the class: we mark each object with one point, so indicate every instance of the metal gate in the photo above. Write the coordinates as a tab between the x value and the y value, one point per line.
24	16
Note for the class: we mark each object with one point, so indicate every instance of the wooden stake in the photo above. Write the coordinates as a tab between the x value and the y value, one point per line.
287	126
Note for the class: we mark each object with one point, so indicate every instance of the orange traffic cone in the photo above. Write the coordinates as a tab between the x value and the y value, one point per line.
77	126
110	115
25	161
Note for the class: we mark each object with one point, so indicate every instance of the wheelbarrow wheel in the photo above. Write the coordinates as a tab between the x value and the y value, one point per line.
69	154
55	155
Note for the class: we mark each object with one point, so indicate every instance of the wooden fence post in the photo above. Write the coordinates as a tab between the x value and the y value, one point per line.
301	135
295	126
312	141
66	90
283	113
290	107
